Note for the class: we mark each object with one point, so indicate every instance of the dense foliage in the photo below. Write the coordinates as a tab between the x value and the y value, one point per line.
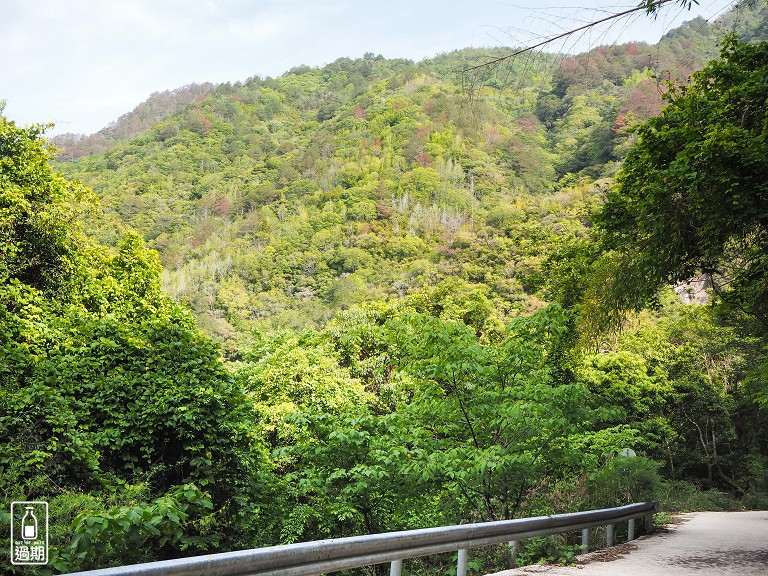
406	285
692	196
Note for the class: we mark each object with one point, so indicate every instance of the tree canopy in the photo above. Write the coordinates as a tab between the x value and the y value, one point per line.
692	196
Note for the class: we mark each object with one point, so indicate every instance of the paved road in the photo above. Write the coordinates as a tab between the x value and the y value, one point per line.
702	544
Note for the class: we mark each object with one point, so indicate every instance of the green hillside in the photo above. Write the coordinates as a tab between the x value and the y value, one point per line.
278	202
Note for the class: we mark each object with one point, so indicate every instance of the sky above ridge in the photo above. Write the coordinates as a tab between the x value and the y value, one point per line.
82	63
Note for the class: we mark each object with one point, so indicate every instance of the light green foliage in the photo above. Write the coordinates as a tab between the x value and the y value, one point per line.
36	205
477	406
685	380
466	428
289	373
623	381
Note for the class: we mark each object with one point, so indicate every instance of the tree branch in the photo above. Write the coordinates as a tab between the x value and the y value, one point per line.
649	7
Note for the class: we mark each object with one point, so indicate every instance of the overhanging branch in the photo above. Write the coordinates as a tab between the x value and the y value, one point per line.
649	7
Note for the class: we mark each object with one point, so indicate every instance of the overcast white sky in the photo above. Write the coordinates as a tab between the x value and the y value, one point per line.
83	63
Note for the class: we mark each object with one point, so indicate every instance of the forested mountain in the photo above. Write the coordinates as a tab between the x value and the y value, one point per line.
277	202
418	291
155	109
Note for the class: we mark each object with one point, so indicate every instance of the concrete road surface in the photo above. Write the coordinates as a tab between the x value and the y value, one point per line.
702	544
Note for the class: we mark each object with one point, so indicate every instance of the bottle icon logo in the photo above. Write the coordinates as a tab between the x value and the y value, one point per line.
29	524
29	533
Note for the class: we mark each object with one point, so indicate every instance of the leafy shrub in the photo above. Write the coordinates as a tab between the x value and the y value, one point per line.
623	481
138	533
755	501
546	550
682	496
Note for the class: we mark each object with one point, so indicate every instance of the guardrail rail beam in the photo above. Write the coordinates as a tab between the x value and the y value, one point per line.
323	556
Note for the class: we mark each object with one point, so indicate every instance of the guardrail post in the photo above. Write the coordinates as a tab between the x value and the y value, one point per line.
461	566
585	540
396	568
649	523
631	530
609	535
513	554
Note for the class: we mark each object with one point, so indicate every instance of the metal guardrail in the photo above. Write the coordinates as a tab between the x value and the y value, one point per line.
322	556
